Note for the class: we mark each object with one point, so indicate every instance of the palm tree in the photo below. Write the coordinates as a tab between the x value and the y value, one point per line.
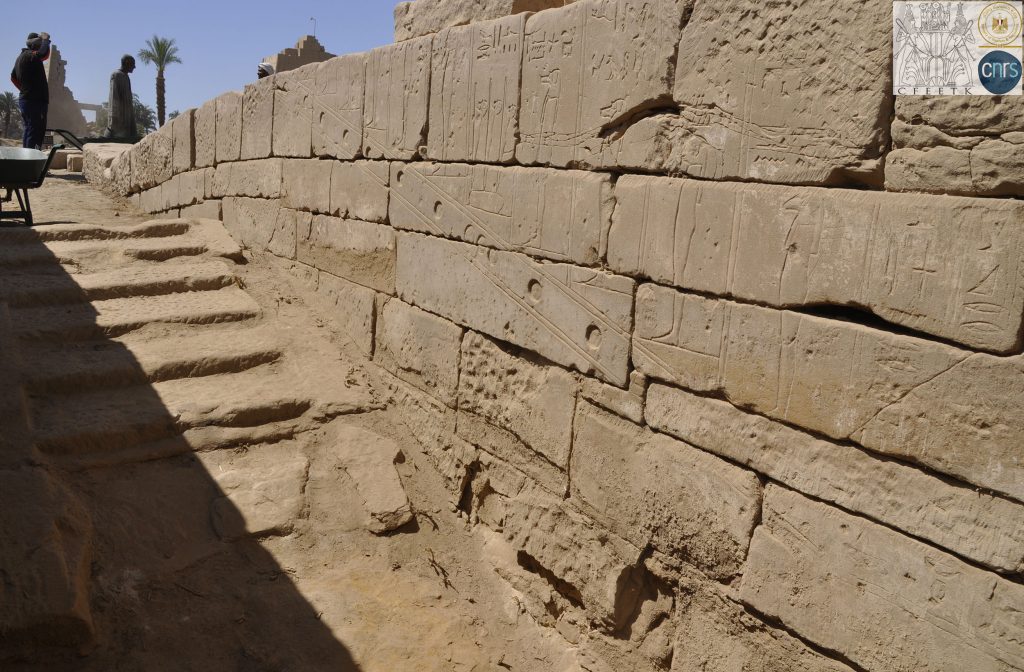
8	104
161	52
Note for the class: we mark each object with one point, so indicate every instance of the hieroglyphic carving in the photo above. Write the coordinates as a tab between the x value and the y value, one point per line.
555	214
589	68
951	267
474	91
813	566
397	98
840	379
573	316
338	93
799	101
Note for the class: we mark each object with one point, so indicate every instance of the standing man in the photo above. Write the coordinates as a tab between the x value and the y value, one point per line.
121	113
29	78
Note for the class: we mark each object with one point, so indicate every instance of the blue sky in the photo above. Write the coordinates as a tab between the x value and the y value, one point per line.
220	41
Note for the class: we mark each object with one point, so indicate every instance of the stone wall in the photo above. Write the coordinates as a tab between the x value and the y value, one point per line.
650	300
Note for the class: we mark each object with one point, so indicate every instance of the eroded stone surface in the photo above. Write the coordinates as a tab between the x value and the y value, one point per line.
369	459
715	633
293	111
257	120
527	407
474	91
262	225
351	308
206	134
683	501
423	17
397	100
420	348
306	185
184	141
262	491
153	160
338	92
589	68
974	525
46	558
837	378
945	266
555	214
754	106
903	604
229	127
573	316
358	251
359	190
255	179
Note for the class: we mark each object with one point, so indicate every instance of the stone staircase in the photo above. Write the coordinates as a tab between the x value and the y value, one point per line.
119	345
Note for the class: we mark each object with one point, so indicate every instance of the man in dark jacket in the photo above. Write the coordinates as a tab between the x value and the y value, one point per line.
29	77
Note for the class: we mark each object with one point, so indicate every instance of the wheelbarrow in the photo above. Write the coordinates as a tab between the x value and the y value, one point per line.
21	170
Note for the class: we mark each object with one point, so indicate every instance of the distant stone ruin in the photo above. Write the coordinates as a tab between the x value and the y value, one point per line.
655	302
64	111
307	50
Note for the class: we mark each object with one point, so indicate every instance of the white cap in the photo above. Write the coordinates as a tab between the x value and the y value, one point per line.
266	68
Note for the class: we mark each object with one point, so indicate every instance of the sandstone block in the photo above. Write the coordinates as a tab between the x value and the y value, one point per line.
997	167
965	422
715	633
100	158
359	190
191	187
152	160
527	407
589	68
351	309
152	200
963	115
184	141
121	176
262	491
752	106
588	562
229	127
358	251
397	99
75	163
902	604
293	112
840	379
261	225
978	526
572	316
205	126
338	92
628	403
423	17
555	214
369	459
683	501
46	556
257	119
942	170
255	179
306	185
474	91
203	210
420	348
951	267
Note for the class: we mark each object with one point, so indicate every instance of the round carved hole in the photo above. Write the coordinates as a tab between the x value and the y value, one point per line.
398	176
533	291
438	206
593	337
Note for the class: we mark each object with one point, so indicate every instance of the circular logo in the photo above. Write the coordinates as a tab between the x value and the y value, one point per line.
999	72
1000	24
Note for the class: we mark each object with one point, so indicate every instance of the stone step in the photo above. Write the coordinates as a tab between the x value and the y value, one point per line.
52	289
57	368
70	232
110	420
114	317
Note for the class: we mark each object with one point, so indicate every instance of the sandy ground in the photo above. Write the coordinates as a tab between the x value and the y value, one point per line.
244	537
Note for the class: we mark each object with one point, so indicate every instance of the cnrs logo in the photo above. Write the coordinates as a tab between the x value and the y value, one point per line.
999	72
